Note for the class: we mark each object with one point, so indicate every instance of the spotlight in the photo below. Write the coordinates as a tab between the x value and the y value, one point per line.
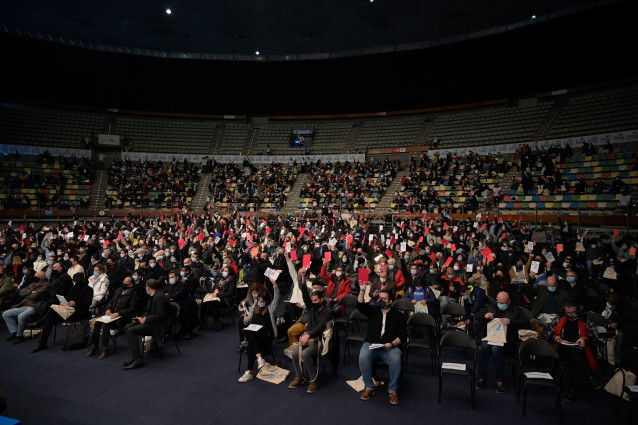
169	11
257	52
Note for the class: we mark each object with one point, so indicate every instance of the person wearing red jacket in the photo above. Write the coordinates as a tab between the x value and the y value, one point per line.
338	282
396	273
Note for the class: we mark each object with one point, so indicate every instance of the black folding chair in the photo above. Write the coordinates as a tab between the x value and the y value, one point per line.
458	340
416	323
531	351
355	318
628	361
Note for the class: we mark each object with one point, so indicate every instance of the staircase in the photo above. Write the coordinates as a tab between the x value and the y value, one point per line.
351	139
293	196
214	140
199	199
423	133
98	191
384	204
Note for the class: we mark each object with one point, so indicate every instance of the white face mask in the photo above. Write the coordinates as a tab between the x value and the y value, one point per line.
383	279
338	274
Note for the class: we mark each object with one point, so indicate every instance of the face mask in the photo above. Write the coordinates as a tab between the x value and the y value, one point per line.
59	253
155	249
39	258
172	281
431	271
255	295
182	274
570	279
172	251
456	268
551	288
305	249
152	265
413	272
135	278
466	297
344	260
338	274
383	279
391	267
380	304
572	316
450	276
122	255
261	304
193	259
593	246
25	271
609	306
406	257
476	255
160	257
96	273
66	258
50	262
224	274
502	306
565	265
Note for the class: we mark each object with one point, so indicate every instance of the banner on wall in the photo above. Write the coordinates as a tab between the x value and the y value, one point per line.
575	142
238	159
39	150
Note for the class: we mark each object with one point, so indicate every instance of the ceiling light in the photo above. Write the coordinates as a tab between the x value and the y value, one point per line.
533	16
257	52
168	11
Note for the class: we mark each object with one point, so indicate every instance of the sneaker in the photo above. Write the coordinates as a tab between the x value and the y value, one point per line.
394	398
500	389
312	387
367	394
247	376
297	382
480	384
261	363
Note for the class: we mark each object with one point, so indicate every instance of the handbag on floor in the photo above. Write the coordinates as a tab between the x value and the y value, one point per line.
76	336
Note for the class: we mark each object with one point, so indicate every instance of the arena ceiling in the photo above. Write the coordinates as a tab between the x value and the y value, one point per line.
278	29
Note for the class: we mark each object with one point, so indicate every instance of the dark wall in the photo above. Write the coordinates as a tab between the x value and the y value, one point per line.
568	52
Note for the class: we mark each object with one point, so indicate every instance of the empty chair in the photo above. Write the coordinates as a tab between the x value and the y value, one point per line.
459	340
533	350
417	323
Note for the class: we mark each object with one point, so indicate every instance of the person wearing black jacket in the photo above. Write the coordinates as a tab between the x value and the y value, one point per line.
387	327
318	314
79	297
155	322
512	317
61	282
123	304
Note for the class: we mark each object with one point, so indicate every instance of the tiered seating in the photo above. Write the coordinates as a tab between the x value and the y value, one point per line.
347	185
191	136
61	183
251	187
329	137
387	132
488	126
26	125
448	192
586	167
234	138
151	184
597	112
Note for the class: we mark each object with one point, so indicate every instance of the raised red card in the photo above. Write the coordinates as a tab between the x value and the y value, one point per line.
448	261
559	247
363	274
388	253
306	261
327	256
293	255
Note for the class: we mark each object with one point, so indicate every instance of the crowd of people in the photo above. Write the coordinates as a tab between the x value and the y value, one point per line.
141	184
249	184
145	273
329	184
50	184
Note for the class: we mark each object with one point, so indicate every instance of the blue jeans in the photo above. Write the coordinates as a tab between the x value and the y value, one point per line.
390	357
17	318
484	356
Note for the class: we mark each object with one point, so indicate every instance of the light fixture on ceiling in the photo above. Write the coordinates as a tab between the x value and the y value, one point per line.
169	11
257	52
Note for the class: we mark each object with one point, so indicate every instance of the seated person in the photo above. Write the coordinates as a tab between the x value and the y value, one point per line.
261	313
550	299
123	304
318	315
99	282
79	298
386	326
514	319
423	298
225	291
519	273
7	289
473	300
378	283
574	328
155	322
338	283
245	306
33	302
